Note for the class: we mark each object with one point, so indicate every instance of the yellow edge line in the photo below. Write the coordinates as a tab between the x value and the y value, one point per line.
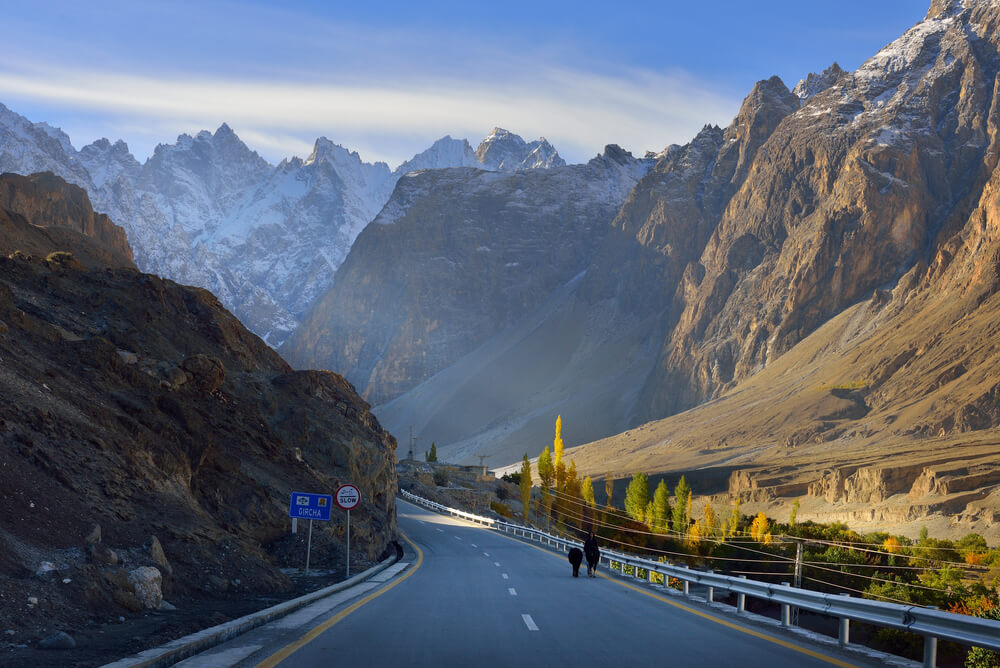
711	618
288	650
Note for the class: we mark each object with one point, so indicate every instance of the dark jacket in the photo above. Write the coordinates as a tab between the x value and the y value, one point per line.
575	556
590	549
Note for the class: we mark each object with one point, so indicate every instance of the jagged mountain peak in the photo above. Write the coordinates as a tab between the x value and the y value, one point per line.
503	150
616	153
326	150
223	147
815	83
944	8
766	91
106	162
445	152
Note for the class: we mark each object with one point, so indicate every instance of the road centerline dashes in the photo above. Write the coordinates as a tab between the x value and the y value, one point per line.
529	622
504	575
512	591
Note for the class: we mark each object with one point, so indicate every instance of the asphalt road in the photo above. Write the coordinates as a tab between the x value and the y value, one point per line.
475	597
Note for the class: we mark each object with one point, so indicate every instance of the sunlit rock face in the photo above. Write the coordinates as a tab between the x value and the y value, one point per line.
868	178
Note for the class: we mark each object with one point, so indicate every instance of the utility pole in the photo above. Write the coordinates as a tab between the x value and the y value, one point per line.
413	443
797	579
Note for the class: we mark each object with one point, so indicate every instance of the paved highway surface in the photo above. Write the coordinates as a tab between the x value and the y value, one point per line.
475	597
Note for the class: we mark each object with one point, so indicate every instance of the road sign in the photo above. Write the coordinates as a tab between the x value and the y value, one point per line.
310	506
348	497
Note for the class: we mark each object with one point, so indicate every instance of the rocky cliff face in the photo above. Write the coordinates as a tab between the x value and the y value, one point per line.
145	408
58	216
455	256
845	195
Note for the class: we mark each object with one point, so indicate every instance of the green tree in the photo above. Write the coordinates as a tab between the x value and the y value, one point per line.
561	476
573	489
637	497
546	472
525	483
609	488
682	494
557	443
587	492
431	456
546	504
661	508
795	512
984	658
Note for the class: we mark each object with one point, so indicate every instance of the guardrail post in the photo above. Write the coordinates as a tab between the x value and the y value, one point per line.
930	652
844	634
710	596
741	599
687	587
786	610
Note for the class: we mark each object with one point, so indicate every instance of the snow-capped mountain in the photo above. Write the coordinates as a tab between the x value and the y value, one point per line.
445	152
208	211
504	151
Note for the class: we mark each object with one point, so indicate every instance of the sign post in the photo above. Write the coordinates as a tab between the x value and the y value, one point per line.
311	507
348	497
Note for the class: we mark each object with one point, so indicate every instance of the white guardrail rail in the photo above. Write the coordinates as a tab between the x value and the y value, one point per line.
931	623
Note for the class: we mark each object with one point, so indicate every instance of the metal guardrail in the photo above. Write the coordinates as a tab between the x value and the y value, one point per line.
931	623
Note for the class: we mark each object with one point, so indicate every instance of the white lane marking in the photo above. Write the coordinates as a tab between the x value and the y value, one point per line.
504	575
497	564
529	622
474	545
441	530
457	538
513	592
486	554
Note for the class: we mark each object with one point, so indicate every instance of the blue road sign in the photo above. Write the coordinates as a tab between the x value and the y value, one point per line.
310	506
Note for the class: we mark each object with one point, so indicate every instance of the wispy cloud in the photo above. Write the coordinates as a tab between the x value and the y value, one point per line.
578	111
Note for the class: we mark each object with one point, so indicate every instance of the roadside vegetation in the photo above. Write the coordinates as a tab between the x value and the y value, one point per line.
961	576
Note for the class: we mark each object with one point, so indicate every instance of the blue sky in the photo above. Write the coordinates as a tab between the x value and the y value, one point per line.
387	79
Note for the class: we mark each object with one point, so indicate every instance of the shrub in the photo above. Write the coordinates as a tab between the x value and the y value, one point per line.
501	509
514	478
502	493
441	478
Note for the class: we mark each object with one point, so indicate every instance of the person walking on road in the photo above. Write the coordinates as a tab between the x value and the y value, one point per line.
576	558
593	554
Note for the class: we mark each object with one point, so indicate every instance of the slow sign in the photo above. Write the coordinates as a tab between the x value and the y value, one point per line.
348	497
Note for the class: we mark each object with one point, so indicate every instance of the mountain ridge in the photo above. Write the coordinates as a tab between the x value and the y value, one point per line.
208	211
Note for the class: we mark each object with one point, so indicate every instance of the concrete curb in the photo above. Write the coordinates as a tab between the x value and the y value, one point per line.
182	648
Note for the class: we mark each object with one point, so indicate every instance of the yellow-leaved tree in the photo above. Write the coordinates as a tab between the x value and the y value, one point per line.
710	522
557	444
694	534
760	527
